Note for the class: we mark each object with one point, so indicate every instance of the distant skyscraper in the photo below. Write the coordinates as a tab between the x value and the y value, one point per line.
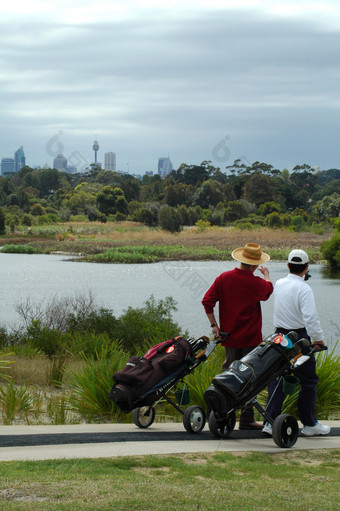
60	163
110	161
19	159
7	166
164	166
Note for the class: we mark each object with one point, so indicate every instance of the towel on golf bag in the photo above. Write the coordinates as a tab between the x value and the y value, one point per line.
141	373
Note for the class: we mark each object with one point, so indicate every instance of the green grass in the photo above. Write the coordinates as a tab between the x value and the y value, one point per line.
19	249
302	480
152	254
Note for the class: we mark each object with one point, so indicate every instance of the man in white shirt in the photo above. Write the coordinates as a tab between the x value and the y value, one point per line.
294	309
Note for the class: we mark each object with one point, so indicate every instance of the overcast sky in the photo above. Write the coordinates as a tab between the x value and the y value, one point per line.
194	80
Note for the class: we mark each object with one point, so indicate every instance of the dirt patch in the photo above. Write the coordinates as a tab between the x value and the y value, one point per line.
17	495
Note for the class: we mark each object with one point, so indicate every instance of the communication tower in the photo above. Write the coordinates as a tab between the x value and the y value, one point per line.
95	148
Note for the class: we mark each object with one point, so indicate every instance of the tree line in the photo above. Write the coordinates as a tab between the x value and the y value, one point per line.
257	194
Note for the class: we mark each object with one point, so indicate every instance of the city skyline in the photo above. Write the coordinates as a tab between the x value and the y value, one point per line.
214	80
60	162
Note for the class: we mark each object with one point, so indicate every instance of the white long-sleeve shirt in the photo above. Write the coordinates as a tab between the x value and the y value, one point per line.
294	306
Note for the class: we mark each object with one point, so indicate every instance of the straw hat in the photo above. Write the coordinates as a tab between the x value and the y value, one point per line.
250	254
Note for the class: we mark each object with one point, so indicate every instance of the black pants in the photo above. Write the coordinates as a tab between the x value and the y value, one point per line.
231	354
307	395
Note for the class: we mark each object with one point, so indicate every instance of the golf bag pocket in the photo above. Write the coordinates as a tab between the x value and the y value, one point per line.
237	380
173	356
123	396
136	372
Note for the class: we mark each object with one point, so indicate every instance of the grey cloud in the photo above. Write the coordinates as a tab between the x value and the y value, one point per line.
189	81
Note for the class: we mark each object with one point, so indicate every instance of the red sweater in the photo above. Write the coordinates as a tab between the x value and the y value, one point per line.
239	293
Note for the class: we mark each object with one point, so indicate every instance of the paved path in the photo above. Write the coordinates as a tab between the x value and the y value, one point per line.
107	440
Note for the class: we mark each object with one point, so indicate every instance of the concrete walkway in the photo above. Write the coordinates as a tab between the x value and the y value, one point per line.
107	440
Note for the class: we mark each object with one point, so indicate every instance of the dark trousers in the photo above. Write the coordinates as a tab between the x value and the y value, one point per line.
231	354
307	395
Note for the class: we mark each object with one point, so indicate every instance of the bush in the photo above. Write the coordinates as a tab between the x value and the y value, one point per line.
330	250
337	224
169	219
2	222
96	321
247	226
273	220
298	223
146	216
46	340
26	220
147	325
317	228
37	210
49	218
202	225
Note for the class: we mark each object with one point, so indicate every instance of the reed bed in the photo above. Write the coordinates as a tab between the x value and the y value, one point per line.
83	238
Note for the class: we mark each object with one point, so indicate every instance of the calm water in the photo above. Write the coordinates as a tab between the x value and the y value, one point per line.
118	286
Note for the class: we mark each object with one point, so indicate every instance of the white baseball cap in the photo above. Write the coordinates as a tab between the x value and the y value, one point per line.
298	257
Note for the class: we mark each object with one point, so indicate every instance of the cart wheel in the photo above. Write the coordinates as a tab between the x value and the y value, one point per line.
144	416
285	430
222	428
194	419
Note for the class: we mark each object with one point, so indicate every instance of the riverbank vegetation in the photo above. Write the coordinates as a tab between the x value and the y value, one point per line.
61	362
128	242
194	206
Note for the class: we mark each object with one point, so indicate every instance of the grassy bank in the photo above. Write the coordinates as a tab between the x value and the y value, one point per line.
129	242
194	482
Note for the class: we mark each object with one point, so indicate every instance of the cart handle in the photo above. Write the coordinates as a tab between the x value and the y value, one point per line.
221	337
217	340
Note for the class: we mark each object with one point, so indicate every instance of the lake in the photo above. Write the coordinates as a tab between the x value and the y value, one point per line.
118	286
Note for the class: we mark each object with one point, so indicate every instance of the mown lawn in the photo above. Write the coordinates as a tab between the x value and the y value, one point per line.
301	480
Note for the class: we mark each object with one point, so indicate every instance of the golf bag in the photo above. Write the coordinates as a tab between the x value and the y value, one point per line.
141	374
245	378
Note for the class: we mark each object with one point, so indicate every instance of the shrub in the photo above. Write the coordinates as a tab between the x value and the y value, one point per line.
337	224
79	218
330	250
37	210
44	339
2	222
317	228
269	207
56	312
26	220
146	216
169	219
298	222
96	321
247	226
151	323
273	220
49	218
202	225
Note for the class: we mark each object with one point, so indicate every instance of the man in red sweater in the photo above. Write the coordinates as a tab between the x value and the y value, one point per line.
239	293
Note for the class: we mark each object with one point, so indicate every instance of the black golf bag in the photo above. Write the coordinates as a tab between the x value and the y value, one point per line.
245	378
